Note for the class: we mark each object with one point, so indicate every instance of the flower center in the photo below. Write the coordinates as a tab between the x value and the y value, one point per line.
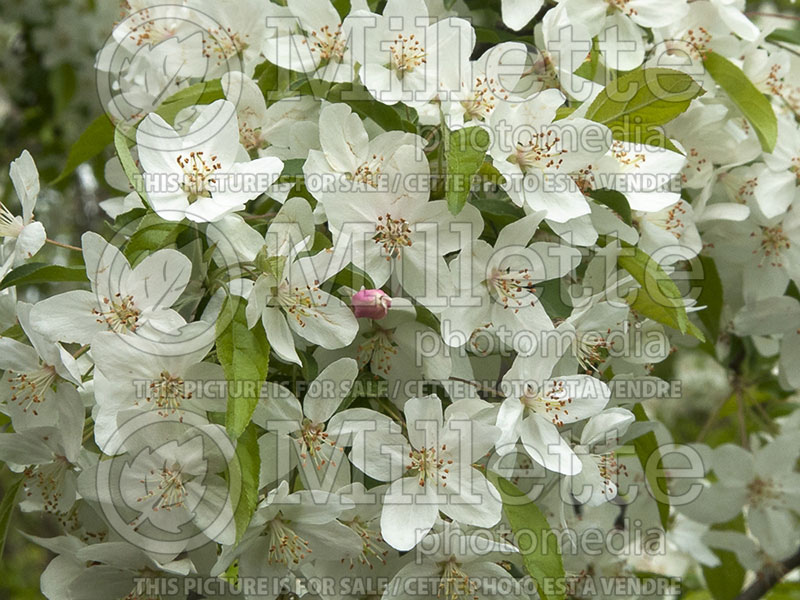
47	479
10	226
773	242
369	172
481	102
122	314
763	492
627	158
591	351
329	44
300	301
511	288
377	350
285	546
542	151
224	44
30	389
373	546
428	465
609	468
795	168
150	30
313	442
168	492
406	54
670	220
455	584
694	42
197	174
168	394
393	235
251	137
552	403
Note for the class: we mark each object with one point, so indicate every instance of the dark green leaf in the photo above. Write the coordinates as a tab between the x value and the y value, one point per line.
244	355
34	273
649	456
123	139
62	86
292	170
789	36
658	298
244	470
204	92
359	99
753	104
7	506
726	580
710	296
539	548
98	135
153	233
614	200
342	7
466	150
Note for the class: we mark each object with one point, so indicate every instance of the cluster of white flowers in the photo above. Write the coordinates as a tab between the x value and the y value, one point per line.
381	301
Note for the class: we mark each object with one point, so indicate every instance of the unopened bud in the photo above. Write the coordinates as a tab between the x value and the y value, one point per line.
371	304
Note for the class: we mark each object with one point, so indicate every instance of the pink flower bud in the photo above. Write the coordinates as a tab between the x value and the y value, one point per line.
372	304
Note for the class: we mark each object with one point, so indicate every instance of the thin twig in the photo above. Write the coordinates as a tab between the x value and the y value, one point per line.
268	215
477	386
740	414
60	245
773	15
712	418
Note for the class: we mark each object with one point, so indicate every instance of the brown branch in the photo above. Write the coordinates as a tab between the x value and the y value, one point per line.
768	579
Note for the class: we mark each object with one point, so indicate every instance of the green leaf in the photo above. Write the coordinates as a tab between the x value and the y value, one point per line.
204	92
726	580
244	469
659	297
153	233
711	296
539	548
7	510
357	97
655	96
753	104
466	150
563	112
98	135
62	86
34	273
635	104
342	7
787	590
493	35
649	456
788	36
122	136
588	69
614	200
244	355
292	171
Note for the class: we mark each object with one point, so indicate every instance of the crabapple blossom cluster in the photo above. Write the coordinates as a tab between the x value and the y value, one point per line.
390	299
